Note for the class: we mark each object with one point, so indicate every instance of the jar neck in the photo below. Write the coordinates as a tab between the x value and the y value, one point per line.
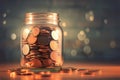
42	18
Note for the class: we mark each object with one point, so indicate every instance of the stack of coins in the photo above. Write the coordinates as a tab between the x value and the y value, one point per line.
41	46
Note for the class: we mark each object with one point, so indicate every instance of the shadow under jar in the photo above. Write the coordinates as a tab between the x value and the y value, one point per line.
41	41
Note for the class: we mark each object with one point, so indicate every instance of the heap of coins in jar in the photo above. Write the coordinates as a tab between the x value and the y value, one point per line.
41	41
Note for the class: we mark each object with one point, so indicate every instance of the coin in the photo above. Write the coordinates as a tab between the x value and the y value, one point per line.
35	31
54	55
25	49
44	50
31	39
53	45
25	33
35	63
43	40
54	35
47	62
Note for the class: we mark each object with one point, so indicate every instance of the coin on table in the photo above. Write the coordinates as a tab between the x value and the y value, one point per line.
25	49
35	31
54	35
25	33
53	45
31	39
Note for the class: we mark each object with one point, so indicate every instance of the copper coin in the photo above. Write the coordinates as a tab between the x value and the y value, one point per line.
54	35
34	52
25	49
31	39
43	40
35	31
25	33
53	45
54	55
35	63
47	62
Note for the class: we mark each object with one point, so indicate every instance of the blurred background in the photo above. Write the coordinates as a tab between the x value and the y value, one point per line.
91	28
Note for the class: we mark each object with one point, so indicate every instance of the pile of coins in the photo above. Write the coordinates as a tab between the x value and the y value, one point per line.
41	46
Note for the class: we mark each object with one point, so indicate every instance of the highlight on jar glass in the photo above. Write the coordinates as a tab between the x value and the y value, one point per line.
41	41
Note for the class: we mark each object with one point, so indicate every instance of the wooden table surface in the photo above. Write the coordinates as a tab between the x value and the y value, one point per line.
107	72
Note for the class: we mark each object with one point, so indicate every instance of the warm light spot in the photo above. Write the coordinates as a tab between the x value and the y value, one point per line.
13	75
73	52
81	35
89	16
87	49
42	73
64	24
4	22
65	33
48	72
113	44
13	36
37	76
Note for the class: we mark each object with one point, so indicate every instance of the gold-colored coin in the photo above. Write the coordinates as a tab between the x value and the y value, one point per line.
54	35
31	39
53	45
25	33
25	49
35	31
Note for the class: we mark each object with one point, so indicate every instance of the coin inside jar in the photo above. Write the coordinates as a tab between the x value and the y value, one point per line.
54	35
31	39
25	49
35	31
43	40
47	62
25	33
53	45
55	55
36	63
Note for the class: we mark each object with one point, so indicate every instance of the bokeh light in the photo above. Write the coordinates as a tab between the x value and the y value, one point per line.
73	52
4	22
13	36
87	29
65	33
113	44
89	16
64	24
4	15
87	49
86	41
105	21
81	35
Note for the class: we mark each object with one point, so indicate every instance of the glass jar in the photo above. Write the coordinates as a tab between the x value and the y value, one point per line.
41	41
